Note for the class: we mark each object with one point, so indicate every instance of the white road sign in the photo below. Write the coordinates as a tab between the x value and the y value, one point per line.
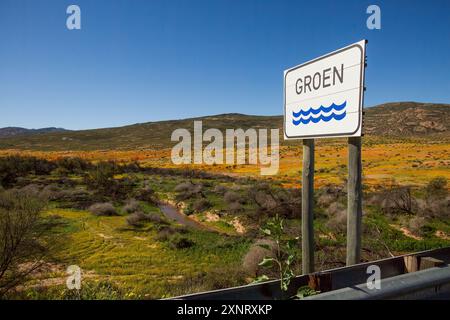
324	97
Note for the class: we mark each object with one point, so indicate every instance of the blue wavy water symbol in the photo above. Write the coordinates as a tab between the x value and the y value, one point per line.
320	118
306	113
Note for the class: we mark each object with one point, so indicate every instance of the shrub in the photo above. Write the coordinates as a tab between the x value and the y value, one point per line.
76	198
219	189
132	206
329	194
436	189
399	200
256	254
103	209
235	207
437	208
180	242
147	194
101	177
31	190
52	192
231	196
275	201
23	246
166	231
395	199
416	225
201	205
187	190
12	167
72	165
138	218
337	221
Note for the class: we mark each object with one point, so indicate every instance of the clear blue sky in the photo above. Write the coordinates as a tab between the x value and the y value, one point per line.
139	61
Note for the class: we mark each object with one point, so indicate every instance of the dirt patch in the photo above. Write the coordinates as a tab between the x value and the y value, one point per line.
442	235
212	217
328	235
238	226
101	235
406	232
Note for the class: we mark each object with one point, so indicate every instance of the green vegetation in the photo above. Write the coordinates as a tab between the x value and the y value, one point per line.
106	218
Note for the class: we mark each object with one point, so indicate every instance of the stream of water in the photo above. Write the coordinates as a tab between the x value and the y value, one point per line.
173	213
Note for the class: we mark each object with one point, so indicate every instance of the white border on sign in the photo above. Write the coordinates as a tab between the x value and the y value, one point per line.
361	45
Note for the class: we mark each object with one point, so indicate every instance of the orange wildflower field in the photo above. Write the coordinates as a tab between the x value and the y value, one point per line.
406	163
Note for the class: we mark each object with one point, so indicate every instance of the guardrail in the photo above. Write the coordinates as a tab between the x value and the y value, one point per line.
408	276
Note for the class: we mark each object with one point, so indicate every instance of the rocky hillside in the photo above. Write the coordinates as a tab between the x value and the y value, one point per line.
408	119
18	131
392	120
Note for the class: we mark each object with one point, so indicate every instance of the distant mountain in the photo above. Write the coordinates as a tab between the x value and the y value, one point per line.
408	119
401	120
18	131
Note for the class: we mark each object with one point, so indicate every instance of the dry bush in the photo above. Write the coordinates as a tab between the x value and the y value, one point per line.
132	206
235	207
201	205
138	218
256	254
436	189
395	199
13	167
103	209
72	165
77	198
437	208
146	194
22	241
275	201
52	192
31	190
219	189
165	233
231	196
399	200
416	224
187	190
234	202
337	221
329	194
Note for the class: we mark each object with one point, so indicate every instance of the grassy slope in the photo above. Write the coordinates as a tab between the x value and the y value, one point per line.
133	259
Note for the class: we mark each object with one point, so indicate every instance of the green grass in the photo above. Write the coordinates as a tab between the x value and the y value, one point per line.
132	259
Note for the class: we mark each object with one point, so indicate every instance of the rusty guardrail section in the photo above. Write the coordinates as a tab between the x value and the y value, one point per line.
423	275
